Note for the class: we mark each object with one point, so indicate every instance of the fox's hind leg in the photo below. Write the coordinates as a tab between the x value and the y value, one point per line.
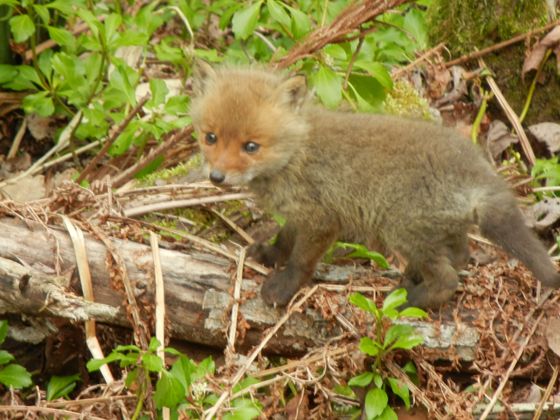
439	282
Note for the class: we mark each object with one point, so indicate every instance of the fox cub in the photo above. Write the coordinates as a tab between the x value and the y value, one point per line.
412	186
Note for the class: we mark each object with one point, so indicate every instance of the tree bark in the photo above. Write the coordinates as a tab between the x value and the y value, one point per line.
197	292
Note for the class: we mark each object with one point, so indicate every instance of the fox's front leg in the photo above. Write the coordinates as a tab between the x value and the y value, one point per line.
309	246
275	255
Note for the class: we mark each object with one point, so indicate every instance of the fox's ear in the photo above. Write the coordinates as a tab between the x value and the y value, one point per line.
294	90
202	74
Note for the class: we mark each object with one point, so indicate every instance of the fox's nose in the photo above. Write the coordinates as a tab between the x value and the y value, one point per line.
216	176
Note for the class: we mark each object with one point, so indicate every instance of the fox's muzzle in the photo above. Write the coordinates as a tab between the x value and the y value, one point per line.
216	176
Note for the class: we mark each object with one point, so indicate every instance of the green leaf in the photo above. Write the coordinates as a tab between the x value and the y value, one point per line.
61	386
95	364
335	51
206	367
16	376
378	71
183	370
152	362
408	342
361	251
169	391
375	402
394	299
22	27
369	90
7	73
154	344
111	26
62	37
245	383
177	105
388	414
401	390
5	357
395	332
415	24
245	21
412	312
39	103
368	346
63	6
378	380
3	330
301	24
243	409
42	12
278	13
131	377
361	380
124	79
159	90
329	86
363	303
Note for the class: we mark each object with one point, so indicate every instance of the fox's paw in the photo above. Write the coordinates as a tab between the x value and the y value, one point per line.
279	288
264	254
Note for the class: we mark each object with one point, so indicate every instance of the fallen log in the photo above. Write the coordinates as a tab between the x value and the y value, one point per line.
197	292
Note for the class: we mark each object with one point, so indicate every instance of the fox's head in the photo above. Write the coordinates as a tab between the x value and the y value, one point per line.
248	121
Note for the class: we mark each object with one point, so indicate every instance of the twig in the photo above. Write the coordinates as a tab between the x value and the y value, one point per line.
89	401
168	142
160	307
351	62
111	139
46	410
17	140
546	394
230	349
166	205
77	237
512	365
512	117
414	63
211	413
347	21
234	226
499	45
67	156
63	141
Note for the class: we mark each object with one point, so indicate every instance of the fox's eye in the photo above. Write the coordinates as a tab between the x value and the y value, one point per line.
251	147
211	138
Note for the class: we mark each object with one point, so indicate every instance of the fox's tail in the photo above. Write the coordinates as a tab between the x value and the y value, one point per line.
501	221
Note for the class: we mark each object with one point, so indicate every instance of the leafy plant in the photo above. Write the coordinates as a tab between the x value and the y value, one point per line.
547	170
390	335
61	386
11	374
361	251
86	74
182	388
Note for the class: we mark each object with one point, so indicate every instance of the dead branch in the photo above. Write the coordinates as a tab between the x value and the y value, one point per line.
346	22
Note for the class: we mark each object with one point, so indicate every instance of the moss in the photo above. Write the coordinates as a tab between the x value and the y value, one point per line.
405	101
167	174
468	24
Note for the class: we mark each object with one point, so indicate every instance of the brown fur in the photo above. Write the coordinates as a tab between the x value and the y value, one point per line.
412	186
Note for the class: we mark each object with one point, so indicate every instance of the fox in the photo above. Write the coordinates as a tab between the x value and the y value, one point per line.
414	187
